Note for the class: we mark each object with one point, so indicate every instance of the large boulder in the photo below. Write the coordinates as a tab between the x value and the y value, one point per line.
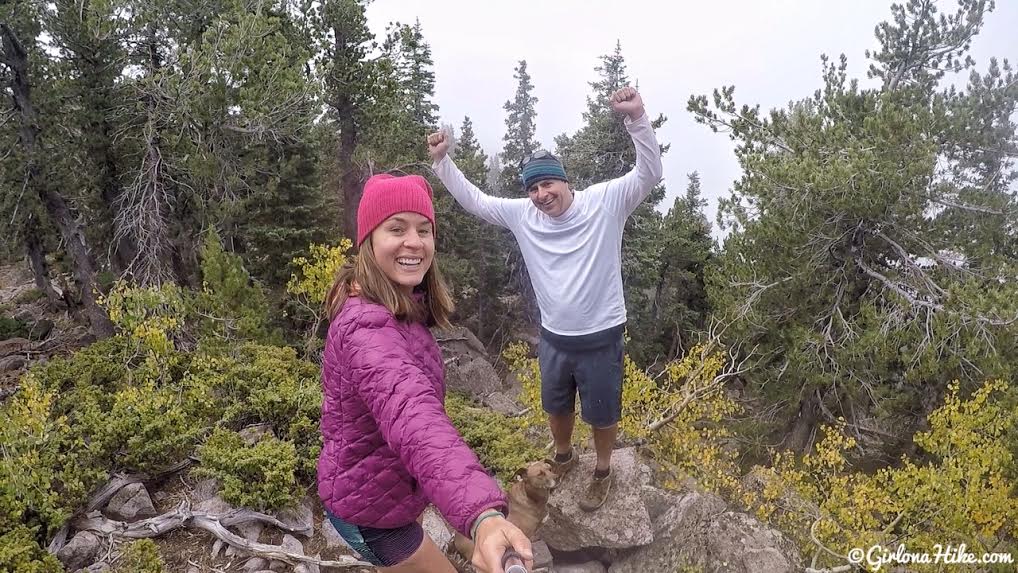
622	522
699	532
80	551
131	503
468	368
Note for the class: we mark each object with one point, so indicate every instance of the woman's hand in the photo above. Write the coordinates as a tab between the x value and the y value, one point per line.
495	535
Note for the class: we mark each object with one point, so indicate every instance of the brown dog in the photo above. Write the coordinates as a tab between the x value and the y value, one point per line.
528	503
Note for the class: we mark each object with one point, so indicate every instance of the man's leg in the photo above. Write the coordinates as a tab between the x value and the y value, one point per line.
599	381
562	432
558	398
604	443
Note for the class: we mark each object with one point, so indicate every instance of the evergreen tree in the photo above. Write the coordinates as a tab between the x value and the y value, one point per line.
867	276
680	306
520	142
521	128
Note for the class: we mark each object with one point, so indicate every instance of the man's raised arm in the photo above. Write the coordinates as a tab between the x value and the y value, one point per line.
625	193
495	210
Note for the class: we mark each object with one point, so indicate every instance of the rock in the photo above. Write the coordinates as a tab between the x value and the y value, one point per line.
193	569
80	551
254	433
12	363
503	403
437	529
255	564
14	346
131	503
332	537
252	531
291	544
588	567
657	501
700	533
620	523
308	567
300	519
217	547
542	555
474	376
214	506
99	567
204	490
41	329
468	368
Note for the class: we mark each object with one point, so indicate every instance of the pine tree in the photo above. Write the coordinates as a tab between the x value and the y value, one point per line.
873	258
521	128
680	306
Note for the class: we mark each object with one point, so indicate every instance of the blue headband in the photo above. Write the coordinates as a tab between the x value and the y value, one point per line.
540	169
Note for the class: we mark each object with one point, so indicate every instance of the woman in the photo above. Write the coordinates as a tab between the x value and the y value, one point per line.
389	447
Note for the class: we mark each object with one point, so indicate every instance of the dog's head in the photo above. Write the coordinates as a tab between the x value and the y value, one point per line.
537	478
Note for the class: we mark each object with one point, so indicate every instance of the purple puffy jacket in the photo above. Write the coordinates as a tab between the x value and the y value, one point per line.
389	447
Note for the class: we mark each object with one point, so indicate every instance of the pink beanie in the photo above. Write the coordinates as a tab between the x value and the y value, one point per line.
385	195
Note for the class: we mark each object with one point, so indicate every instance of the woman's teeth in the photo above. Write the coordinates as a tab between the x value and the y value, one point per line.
409	262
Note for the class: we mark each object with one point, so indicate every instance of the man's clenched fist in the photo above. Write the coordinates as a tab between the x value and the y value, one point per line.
438	145
628	101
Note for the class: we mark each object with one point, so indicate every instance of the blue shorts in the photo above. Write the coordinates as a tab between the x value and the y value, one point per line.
382	547
590	365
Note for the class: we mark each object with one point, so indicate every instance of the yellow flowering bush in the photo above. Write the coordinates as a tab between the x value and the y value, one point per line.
310	284
963	490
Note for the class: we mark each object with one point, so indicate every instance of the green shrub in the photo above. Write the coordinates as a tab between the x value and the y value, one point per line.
48	468
231	305
499	441
141	556
262	476
29	296
12	328
251	383
20	552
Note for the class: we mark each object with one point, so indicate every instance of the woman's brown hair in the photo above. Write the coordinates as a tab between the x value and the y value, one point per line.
363	275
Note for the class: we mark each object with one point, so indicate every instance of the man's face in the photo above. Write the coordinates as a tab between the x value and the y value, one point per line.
551	196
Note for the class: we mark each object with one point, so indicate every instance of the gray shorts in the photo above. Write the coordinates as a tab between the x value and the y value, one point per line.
590	364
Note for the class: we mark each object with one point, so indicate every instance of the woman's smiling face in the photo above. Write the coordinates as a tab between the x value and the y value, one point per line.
404	247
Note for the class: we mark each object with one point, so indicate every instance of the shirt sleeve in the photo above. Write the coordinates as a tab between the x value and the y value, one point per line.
624	194
495	210
411	417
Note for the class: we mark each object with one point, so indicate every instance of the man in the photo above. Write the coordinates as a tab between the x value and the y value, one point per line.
572	246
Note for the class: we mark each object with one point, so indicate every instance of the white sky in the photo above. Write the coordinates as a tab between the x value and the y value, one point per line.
769	49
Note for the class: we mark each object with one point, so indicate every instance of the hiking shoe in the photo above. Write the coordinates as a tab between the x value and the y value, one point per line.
597	492
560	469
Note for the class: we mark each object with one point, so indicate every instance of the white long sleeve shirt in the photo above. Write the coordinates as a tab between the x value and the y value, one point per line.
575	259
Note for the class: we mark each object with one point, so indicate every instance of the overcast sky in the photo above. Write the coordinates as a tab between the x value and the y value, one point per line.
769	49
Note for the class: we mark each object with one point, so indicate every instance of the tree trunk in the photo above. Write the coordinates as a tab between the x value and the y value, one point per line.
15	56
124	248
37	257
350	180
800	436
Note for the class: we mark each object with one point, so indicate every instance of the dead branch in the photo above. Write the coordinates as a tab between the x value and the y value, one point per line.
214	524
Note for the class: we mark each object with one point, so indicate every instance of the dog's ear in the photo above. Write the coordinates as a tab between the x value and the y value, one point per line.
520	474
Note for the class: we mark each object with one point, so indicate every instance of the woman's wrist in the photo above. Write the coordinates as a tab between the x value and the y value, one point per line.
486	514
